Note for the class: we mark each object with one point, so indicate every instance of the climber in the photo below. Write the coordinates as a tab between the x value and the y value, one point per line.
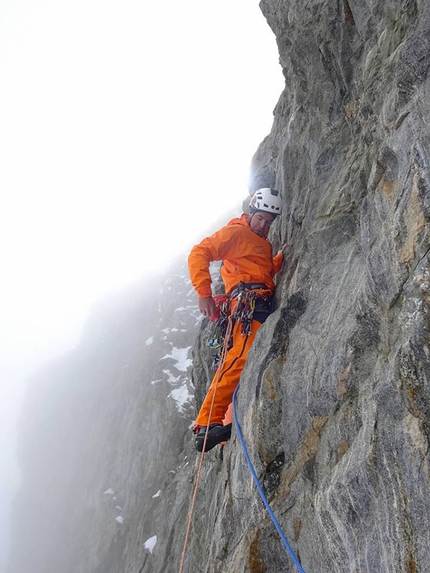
247	272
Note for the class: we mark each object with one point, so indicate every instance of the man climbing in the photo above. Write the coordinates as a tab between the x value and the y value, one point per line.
247	271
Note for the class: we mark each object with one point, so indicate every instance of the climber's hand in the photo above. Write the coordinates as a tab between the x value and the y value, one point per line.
282	249
207	306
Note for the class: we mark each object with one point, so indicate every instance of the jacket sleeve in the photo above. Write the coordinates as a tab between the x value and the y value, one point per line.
278	261
217	247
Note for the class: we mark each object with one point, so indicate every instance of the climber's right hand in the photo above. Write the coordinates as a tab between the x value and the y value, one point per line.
207	306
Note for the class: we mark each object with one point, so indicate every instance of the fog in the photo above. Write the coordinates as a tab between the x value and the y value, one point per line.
126	129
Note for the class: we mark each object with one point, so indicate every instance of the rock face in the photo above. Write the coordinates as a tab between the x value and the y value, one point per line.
334	401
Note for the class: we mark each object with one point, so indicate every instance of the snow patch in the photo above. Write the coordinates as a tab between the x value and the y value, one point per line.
179	355
150	543
119	519
109	491
149	341
170	378
181	396
158	494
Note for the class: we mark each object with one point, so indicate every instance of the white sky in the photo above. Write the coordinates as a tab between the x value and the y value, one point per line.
126	129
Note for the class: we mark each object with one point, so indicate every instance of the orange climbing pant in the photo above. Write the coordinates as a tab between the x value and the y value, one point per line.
228	377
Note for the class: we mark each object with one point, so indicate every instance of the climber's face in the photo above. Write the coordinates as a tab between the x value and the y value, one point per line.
260	222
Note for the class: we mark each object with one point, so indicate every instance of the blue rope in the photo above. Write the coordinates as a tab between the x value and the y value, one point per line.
260	489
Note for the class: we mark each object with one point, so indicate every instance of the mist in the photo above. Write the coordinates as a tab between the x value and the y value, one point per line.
126	131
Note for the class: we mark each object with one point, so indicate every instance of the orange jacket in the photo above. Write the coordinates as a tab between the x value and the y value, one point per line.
247	258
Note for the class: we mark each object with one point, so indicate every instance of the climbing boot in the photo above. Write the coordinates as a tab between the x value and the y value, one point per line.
217	433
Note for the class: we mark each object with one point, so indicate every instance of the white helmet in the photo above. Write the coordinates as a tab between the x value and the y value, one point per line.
266	199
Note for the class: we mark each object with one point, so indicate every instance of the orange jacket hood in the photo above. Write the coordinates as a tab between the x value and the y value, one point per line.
246	257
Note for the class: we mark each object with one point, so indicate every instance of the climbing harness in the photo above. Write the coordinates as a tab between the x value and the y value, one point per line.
246	296
245	307
219	324
260	489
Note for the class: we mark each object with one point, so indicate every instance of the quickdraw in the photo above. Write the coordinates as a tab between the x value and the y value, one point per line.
243	313
245	307
244	310
219	328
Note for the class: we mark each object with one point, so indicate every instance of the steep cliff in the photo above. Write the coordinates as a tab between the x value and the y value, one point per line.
334	401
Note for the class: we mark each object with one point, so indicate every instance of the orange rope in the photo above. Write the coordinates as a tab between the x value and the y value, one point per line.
199	469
